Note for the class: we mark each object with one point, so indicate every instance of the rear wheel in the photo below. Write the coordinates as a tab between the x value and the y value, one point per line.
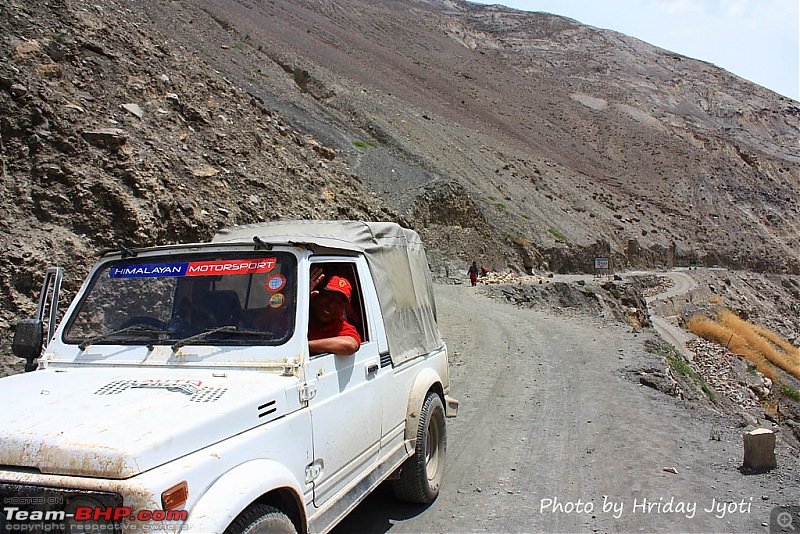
261	519
421	475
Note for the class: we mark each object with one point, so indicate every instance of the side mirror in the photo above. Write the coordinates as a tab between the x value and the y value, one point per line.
28	341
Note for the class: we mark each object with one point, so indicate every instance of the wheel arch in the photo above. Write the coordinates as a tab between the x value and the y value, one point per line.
426	381
243	486
288	502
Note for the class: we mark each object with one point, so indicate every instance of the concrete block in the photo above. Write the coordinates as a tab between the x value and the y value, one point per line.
759	450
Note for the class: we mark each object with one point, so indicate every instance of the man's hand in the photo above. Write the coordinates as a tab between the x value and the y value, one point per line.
317	276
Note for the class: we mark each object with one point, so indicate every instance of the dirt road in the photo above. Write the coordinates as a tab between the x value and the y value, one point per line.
555	436
666	324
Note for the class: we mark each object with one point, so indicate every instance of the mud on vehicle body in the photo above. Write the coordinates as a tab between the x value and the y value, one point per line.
178	392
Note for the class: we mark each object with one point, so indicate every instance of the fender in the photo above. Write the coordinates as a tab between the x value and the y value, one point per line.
426	380
236	490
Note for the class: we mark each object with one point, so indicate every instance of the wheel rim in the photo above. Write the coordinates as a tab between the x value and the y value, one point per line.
432	448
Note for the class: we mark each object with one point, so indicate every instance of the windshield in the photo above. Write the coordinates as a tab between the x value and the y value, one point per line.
201	299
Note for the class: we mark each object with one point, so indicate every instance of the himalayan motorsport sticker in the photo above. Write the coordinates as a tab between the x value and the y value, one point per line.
275	283
194	268
276	300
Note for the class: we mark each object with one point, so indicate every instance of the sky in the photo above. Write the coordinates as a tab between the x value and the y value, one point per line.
758	40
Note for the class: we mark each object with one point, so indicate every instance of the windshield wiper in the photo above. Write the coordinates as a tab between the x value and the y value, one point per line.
202	335
229	330
134	328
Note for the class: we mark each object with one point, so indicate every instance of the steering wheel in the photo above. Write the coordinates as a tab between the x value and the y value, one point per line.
145	320
202	318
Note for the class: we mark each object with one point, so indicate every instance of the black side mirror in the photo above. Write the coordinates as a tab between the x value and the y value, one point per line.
28	341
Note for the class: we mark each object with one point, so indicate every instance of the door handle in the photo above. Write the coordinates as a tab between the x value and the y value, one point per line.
372	368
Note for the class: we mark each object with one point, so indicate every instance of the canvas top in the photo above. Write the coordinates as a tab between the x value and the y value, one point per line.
398	265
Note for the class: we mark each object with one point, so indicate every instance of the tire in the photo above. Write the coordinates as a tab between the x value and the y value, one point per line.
261	519
421	475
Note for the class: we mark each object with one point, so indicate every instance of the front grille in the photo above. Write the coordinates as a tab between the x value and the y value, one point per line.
46	509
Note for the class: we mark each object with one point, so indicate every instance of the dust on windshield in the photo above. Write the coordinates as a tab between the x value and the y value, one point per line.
230	298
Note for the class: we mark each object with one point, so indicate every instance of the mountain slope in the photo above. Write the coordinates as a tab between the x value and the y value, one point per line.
518	139
542	122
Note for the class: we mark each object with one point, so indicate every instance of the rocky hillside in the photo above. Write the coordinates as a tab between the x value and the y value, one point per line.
519	139
522	138
112	134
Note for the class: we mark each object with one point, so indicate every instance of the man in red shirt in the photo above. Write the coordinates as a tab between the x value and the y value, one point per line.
328	331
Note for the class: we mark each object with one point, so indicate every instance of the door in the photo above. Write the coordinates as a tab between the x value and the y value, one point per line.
346	408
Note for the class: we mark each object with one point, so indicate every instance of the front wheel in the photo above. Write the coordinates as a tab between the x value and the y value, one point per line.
261	519
421	475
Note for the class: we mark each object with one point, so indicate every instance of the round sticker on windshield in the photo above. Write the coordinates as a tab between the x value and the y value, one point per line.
275	283
276	300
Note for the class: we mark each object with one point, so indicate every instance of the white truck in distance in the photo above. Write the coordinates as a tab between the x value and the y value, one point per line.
178	393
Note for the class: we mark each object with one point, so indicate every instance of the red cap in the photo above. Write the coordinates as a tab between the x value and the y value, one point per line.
337	283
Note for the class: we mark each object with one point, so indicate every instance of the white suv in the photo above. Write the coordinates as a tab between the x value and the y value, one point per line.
178	393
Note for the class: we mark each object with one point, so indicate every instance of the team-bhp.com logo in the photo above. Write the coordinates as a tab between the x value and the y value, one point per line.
82	519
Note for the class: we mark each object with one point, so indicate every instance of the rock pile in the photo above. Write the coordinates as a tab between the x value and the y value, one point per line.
748	391
509	278
653	285
617	302
728	374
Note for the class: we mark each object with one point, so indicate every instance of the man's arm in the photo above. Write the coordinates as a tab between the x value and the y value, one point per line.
340	345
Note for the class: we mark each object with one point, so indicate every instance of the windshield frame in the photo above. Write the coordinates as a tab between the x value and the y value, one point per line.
243	336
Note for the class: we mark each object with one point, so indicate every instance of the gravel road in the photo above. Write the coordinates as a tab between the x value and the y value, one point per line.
556	434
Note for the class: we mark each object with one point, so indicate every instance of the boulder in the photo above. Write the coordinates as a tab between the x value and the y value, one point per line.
111	138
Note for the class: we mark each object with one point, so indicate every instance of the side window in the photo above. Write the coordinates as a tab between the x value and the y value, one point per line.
355	311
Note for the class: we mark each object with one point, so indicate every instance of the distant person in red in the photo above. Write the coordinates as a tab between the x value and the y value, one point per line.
473	273
328	331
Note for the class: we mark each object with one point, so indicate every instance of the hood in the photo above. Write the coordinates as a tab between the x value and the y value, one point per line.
116	423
